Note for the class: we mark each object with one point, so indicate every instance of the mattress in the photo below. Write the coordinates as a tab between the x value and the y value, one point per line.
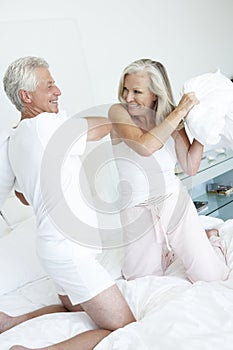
171	312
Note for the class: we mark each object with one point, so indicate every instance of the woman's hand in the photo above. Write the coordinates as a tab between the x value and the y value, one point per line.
187	102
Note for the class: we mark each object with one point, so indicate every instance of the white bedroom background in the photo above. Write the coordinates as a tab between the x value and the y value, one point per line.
88	42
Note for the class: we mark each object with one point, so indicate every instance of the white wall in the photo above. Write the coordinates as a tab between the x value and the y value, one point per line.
88	42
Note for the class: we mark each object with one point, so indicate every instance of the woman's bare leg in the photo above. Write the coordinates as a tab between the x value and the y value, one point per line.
108	310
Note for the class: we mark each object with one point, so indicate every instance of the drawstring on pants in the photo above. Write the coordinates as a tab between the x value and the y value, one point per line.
160	233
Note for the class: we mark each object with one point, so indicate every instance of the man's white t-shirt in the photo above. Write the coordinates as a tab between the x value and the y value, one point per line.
49	187
7	177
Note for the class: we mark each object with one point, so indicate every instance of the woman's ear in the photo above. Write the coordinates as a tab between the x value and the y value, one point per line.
155	100
25	96
155	97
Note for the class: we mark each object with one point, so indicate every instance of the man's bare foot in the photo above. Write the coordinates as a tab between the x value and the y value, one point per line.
212	232
6	322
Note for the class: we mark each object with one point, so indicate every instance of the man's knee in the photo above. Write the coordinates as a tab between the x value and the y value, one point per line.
68	305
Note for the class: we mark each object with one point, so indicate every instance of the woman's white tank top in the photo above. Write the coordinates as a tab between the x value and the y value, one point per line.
145	178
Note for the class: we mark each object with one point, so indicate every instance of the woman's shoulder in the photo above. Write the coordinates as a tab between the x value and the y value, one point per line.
116	110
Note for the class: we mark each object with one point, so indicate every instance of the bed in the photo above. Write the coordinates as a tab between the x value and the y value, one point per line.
172	313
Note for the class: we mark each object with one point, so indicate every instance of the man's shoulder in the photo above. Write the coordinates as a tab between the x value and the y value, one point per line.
46	117
50	121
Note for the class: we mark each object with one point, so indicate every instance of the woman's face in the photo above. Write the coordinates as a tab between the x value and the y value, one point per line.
137	94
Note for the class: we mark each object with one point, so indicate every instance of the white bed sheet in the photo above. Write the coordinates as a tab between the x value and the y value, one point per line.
172	313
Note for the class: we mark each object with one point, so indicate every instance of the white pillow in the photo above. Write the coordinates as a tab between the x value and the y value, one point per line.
227	133
7	177
19	264
206	120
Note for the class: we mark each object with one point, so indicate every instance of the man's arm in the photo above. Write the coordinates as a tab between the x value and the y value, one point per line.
98	127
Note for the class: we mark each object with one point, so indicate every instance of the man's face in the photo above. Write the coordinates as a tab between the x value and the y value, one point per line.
45	97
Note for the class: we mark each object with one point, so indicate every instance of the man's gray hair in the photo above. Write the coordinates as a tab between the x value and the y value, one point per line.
20	75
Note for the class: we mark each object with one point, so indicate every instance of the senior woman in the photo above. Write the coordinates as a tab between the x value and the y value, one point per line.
157	213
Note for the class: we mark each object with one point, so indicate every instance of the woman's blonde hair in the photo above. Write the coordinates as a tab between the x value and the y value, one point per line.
159	85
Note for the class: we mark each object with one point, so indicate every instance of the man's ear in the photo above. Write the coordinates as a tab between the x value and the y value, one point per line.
25	96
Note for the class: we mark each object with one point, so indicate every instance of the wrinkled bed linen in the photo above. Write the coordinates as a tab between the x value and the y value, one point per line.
172	313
